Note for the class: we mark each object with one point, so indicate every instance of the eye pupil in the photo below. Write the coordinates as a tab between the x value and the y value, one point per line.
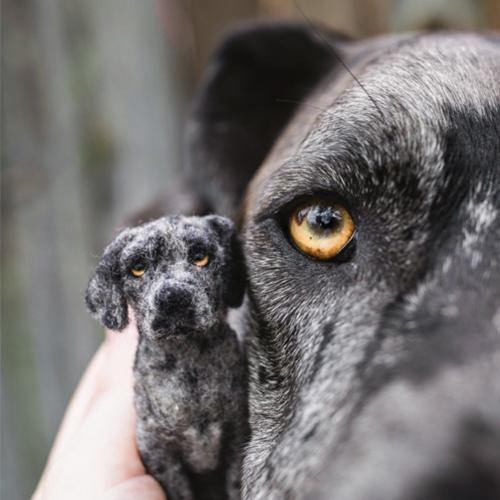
324	218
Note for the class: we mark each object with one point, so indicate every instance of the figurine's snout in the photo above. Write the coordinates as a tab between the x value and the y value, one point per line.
174	305
172	299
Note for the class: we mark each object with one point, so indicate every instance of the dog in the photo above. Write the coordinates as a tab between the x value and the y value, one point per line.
374	372
179	275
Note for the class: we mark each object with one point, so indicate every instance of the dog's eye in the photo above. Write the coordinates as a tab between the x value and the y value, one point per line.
137	270
201	261
321	228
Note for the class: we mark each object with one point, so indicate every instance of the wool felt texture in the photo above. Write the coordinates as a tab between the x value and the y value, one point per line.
179	275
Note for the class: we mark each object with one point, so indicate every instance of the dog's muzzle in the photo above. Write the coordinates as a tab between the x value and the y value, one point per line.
175	310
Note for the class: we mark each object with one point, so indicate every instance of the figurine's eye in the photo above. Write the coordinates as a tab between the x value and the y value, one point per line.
201	261
321	228
137	270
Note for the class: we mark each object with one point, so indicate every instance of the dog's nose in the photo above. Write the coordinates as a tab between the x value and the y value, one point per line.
172	300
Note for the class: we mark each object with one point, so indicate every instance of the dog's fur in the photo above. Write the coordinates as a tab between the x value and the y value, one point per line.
190	380
377	377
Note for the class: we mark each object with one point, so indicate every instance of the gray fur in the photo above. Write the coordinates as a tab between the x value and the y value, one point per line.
376	376
332	434
190	382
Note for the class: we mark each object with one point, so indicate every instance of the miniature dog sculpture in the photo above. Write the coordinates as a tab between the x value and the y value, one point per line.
179	275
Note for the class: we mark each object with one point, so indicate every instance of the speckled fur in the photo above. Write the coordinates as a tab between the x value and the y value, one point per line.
375	376
190	378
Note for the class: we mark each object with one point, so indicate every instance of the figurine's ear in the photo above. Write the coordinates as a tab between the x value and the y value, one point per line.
235	272
104	297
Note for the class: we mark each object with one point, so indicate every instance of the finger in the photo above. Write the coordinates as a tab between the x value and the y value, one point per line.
73	416
117	371
110	369
143	487
101	455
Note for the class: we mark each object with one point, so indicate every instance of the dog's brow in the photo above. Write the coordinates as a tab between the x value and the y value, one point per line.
146	244
300	177
199	243
133	258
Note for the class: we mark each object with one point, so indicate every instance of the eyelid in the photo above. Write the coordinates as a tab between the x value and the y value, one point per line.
301	177
279	206
199	249
137	260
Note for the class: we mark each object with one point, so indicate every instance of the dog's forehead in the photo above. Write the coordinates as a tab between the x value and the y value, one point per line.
409	97
172	233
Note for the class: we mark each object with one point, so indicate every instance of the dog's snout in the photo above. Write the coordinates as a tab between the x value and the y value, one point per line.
173	299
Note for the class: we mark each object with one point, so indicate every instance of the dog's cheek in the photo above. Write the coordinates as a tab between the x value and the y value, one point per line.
206	303
284	283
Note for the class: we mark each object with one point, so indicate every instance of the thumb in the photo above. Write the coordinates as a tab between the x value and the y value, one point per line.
143	487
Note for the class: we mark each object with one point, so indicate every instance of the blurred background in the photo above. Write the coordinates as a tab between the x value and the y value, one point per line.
94	98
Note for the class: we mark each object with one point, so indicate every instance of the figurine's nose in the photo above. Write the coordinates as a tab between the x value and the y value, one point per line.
173	299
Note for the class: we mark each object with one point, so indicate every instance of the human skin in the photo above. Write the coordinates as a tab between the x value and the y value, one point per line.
94	454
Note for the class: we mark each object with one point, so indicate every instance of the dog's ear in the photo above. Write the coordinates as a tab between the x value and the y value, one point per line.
253	84
235	274
104	296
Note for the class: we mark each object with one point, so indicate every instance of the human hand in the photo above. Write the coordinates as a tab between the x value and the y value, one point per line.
94	454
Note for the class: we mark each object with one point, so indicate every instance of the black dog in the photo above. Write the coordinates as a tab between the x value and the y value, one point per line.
375	362
179	275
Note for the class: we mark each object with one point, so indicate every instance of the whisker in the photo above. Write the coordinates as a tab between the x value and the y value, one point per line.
337	56
301	103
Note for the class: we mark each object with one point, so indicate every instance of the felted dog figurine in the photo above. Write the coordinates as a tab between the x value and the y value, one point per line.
179	275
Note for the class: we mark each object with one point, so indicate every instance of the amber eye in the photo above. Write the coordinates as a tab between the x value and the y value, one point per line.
137	270
202	261
321	228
